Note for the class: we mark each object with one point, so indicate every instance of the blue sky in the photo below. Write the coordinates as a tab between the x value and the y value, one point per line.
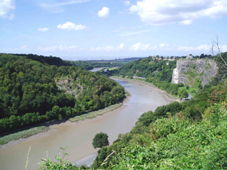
107	29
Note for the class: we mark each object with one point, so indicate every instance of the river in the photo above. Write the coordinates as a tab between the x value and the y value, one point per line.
97	69
78	136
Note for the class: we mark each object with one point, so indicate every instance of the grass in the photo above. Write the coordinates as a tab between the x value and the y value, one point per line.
94	114
113	68
22	134
190	89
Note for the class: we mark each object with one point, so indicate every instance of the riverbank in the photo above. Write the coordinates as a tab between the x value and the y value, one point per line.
22	134
150	85
47	129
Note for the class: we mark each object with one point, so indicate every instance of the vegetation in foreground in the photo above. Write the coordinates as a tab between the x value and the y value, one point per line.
171	137
187	135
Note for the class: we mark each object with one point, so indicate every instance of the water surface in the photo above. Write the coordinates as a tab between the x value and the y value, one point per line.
78	137
96	69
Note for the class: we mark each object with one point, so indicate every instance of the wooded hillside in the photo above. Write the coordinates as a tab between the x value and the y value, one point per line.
29	93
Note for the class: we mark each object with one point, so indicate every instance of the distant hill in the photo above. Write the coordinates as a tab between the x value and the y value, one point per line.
123	60
90	64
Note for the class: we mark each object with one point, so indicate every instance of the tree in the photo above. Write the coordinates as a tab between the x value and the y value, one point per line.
100	140
187	87
183	94
200	86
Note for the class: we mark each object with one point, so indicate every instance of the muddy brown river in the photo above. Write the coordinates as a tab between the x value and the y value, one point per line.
78	136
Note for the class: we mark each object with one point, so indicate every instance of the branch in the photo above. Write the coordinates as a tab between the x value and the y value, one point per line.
216	43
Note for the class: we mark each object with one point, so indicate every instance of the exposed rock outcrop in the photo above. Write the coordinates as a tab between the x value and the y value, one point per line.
70	86
191	72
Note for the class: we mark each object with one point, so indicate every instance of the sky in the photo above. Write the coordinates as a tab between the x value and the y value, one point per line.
109	29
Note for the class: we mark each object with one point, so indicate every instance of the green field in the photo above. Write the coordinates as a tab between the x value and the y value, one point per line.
113	68
190	90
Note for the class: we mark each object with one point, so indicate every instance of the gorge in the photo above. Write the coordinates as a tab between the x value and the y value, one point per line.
78	136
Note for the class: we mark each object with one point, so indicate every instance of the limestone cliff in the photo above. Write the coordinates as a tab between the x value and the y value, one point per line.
192	72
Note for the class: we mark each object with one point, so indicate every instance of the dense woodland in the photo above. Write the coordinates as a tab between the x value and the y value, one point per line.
29	93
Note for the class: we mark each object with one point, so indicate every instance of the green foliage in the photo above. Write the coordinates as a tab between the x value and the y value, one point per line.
193	91
200	86
157	72
188	135
100	140
29	93
59	164
187	87
180	144
183	94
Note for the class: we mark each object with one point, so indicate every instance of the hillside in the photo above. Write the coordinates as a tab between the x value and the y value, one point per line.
30	91
177	77
158	72
187	135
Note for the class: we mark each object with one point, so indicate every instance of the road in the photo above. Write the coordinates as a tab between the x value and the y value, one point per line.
88	160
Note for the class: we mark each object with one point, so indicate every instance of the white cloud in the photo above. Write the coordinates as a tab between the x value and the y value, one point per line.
58	48
163	45
56	6
126	3
104	12
140	47
7	6
43	29
178	11
108	48
205	48
63	3
144	47
121	46
71	26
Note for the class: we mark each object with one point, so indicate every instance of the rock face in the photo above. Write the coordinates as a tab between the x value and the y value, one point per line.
192	72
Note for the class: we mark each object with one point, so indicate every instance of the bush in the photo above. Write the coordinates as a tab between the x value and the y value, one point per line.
193	91
100	140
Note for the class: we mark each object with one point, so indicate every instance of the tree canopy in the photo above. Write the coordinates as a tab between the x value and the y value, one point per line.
100	140
31	90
